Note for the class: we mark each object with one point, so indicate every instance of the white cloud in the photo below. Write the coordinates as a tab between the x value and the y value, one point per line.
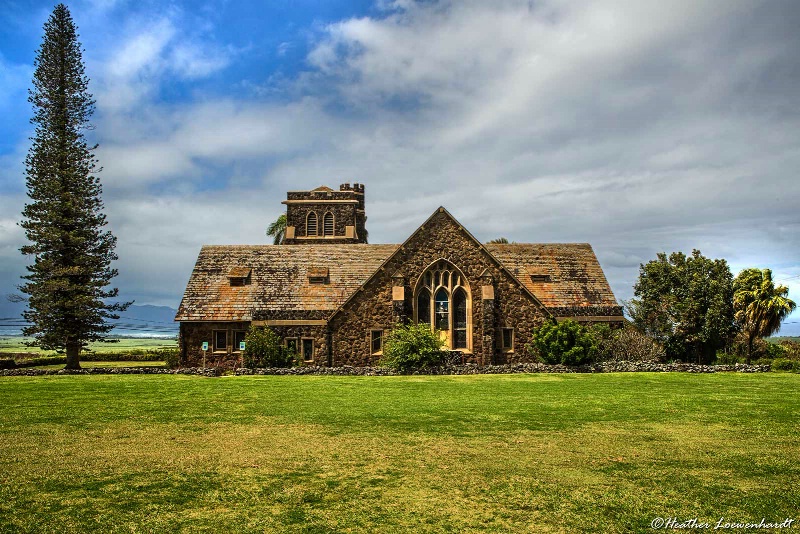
151	53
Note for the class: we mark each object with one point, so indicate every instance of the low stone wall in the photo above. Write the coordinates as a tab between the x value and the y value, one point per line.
607	367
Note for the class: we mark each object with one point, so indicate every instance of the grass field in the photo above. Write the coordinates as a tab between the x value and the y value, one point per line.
508	453
16	344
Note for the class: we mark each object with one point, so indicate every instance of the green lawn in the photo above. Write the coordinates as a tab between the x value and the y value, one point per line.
532	453
17	344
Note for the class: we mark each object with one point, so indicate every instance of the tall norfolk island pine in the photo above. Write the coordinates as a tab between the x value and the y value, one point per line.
72	253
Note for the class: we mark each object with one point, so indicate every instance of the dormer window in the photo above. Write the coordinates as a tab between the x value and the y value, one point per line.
239	276
317	275
540	278
311	224
327	224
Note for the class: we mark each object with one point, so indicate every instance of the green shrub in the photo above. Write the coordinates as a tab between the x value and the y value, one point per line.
264	349
151	355
409	347
170	357
625	344
774	350
727	358
783	364
45	360
791	349
761	348
566	343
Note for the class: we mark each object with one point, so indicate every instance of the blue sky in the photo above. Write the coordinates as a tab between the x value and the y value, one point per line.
637	126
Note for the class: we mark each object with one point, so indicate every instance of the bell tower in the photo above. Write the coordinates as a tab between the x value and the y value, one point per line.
323	215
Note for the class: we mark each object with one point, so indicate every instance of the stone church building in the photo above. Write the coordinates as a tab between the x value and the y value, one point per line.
333	298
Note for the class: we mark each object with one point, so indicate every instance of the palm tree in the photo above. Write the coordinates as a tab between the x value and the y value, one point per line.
277	230
498	241
759	306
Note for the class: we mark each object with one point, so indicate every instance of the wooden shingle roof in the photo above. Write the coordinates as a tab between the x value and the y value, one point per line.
279	277
575	276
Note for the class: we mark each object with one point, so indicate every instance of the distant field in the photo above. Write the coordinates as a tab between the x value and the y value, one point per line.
104	364
503	453
16	344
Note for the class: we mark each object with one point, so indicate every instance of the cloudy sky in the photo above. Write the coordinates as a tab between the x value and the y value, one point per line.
638	126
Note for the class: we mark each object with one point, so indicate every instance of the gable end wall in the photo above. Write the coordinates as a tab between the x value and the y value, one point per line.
439	238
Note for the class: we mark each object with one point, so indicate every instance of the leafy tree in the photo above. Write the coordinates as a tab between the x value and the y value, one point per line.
277	230
72	253
412	346
566	343
759	305
263	348
685	303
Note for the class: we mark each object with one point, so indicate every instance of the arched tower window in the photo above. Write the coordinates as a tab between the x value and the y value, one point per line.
327	224
442	300
311	223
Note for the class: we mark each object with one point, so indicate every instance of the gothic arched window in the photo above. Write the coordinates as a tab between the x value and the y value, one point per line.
442	307
327	224
424	306
442	300
311	223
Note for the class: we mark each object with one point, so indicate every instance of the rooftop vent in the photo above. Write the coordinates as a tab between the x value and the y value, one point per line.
540	278
239	276
317	275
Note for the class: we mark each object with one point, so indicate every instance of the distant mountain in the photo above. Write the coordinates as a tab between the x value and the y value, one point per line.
147	320
138	320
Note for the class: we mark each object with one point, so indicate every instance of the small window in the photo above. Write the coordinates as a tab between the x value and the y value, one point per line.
311	224
308	349
327	224
376	341
540	278
506	339
291	344
238	337
220	340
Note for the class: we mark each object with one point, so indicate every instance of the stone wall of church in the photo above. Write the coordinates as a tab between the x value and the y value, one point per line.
439	238
192	336
317	333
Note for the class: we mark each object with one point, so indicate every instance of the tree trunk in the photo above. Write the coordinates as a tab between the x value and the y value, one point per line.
73	352
750	339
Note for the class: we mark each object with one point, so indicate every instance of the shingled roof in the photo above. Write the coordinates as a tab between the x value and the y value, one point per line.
279	277
575	276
